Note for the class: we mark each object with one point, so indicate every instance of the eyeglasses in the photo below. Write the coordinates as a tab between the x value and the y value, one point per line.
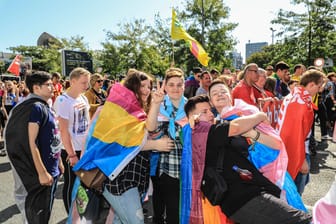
47	84
99	80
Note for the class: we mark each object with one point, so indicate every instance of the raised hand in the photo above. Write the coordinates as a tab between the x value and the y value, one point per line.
158	94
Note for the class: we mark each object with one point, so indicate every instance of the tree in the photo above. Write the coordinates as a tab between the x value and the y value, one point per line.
310	35
206	21
49	58
137	45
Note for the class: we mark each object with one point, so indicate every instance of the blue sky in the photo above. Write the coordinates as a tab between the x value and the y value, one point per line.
22	21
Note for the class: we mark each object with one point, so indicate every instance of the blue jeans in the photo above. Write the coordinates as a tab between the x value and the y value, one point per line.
302	180
127	207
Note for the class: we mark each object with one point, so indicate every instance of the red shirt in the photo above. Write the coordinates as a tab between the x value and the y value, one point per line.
57	91
245	92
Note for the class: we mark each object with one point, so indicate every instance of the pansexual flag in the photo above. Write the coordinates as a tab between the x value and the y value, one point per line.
116	134
178	33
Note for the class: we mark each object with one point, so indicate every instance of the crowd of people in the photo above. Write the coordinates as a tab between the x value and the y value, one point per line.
140	132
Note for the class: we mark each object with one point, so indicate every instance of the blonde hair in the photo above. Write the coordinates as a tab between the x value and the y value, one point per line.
94	78
76	73
174	72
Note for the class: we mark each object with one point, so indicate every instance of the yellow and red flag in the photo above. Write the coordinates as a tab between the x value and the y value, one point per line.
14	67
178	33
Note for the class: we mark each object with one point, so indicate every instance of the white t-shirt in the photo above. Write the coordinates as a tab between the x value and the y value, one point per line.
76	111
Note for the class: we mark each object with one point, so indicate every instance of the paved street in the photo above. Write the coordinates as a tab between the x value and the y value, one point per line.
322	174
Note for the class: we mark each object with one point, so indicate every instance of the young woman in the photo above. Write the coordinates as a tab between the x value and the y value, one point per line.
10	96
118	140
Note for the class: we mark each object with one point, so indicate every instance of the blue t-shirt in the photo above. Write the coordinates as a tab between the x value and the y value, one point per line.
48	140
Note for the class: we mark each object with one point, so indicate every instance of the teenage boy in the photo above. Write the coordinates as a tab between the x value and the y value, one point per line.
34	148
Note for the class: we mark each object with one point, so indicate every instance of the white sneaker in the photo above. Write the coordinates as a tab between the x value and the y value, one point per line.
326	137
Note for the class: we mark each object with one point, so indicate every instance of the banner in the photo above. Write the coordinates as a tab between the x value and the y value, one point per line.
271	108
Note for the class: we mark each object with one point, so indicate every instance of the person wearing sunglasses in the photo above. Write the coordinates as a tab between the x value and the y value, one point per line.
244	89
95	95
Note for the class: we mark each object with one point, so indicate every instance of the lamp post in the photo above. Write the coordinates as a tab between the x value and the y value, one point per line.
273	30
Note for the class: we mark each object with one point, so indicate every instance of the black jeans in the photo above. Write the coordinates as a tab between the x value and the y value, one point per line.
267	209
168	190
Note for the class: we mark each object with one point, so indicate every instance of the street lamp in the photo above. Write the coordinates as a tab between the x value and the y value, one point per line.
273	30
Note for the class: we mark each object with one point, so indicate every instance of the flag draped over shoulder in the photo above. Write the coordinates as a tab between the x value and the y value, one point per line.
194	207
296	113
271	162
178	33
14	67
116	135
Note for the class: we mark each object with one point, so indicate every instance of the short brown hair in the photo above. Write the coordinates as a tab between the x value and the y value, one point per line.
312	75
174	72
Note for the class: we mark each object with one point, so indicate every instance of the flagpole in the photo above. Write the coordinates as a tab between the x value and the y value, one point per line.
173	56
173	59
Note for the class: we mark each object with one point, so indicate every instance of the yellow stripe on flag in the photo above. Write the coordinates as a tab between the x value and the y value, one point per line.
116	125
178	33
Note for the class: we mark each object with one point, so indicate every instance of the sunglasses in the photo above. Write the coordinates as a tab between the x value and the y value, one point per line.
99	80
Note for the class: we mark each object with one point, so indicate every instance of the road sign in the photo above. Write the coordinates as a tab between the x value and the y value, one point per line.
74	59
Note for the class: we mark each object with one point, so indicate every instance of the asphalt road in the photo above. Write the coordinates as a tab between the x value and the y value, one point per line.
323	172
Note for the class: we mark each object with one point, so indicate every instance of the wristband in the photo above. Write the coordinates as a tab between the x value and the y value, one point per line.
72	156
257	136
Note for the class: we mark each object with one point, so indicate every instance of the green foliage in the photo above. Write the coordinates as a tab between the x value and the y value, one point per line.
49	58
206	21
309	35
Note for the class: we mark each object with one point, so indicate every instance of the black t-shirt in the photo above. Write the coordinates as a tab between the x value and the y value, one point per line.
239	191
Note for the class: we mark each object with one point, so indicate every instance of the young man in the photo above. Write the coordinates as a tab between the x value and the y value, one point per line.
205	81
34	147
72	109
299	69
192	83
253	200
281	71
297	113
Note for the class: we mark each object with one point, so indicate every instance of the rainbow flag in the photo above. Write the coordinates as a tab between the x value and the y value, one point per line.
178	33
116	135
194	207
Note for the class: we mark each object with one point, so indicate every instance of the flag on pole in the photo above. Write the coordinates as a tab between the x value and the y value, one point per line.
14	67
178	33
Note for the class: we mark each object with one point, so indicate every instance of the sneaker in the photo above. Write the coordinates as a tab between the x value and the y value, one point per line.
82	200
326	137
3	152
